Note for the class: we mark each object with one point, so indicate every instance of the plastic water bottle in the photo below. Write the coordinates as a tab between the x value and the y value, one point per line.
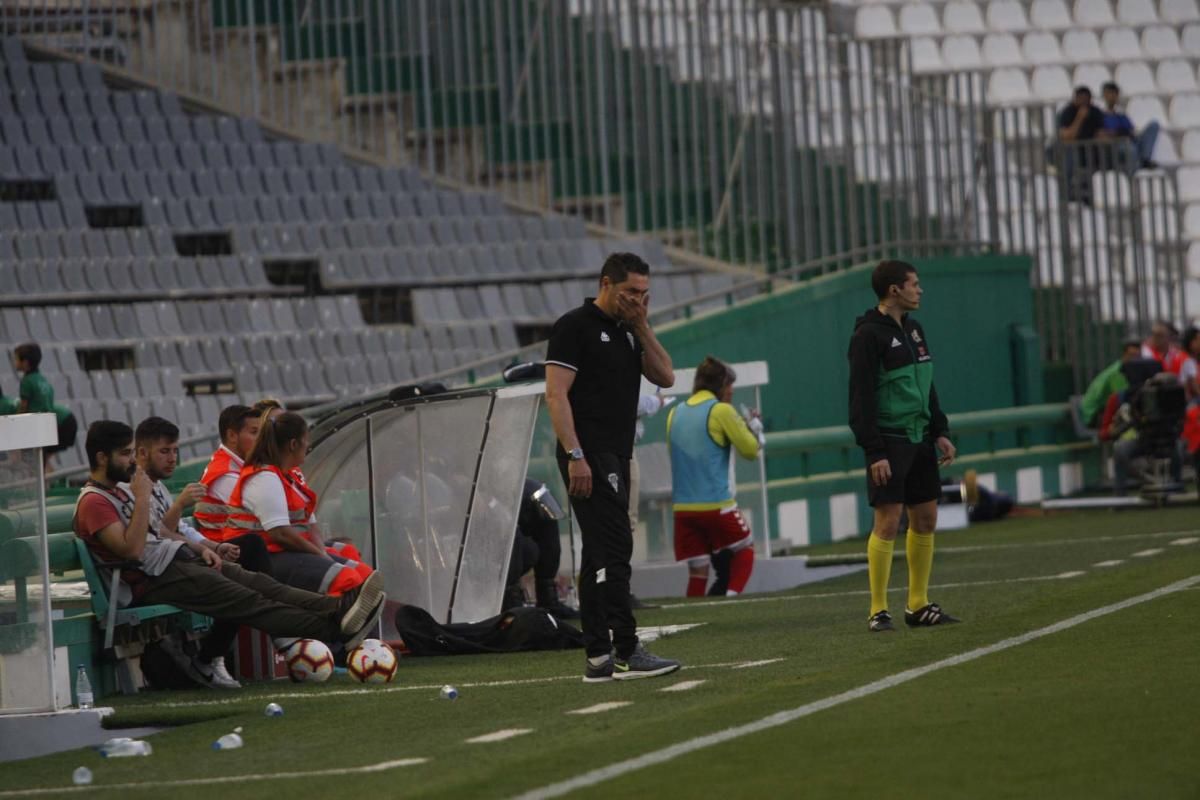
83	688
449	692
230	741
274	710
123	746
82	776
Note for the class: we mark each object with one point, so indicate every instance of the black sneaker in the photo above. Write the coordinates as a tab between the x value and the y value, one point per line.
880	621
931	614
600	674
641	664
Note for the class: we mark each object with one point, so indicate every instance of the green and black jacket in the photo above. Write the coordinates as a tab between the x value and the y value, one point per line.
891	384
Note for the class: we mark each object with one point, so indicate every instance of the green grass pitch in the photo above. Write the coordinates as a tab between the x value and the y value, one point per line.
1105	708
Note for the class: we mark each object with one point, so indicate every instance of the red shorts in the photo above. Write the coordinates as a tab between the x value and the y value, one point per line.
698	533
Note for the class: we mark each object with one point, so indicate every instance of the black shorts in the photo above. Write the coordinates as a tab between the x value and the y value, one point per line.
914	474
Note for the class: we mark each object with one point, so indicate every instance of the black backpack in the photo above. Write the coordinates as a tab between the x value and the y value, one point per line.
515	630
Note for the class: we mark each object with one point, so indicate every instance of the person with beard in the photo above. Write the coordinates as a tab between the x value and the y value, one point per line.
156	451
162	566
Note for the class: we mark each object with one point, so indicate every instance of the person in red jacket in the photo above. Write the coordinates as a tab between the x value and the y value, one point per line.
269	500
1160	345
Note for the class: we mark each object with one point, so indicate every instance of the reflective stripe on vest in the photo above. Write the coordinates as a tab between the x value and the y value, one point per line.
211	513
301	503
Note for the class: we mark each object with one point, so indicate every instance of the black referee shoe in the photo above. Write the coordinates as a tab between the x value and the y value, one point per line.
925	616
880	621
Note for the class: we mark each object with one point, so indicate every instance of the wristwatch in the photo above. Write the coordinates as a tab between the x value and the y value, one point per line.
575	454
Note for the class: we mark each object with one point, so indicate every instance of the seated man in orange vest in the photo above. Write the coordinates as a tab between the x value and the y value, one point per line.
238	427
161	566
269	500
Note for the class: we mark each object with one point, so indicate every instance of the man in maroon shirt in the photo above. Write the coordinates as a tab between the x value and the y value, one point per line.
162	567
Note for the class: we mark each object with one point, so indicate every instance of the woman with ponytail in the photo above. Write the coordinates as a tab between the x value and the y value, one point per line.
273	502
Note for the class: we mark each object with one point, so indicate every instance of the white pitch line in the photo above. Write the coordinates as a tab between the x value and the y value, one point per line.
761	663
620	768
1114	562
732	601
1153	551
682	686
499	736
979	548
1072	574
383	766
600	708
1186	540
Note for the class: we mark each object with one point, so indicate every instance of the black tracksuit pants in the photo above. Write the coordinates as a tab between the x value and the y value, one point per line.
603	518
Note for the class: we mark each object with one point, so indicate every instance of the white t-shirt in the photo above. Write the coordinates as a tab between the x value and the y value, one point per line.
1188	371
222	487
263	496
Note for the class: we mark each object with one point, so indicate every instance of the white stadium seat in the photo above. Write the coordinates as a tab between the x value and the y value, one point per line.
1189	40
1176	12
1041	48
926	55
1164	150
1189	148
961	52
919	19
1081	46
1193	258
1191	221
1093	14
1050	15
1185	110
960	16
1175	75
1161	42
1134	78
1189	184
1051	83
1008	85
1006	15
1092	76
1118	44
1136	12
1144	109
1002	50
874	22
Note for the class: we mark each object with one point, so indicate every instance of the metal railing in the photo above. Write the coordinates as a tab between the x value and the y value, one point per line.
750	131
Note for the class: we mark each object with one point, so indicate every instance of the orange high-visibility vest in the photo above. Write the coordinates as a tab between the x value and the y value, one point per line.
301	503
212	512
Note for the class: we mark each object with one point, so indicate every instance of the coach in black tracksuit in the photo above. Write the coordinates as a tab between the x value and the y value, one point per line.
594	365
898	422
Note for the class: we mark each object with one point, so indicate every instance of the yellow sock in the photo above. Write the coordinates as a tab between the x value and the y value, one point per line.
879	569
918	548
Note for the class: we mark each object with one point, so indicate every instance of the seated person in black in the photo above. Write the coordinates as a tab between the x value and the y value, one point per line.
1079	121
537	546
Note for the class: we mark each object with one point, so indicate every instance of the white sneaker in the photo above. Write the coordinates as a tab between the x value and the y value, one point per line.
221	676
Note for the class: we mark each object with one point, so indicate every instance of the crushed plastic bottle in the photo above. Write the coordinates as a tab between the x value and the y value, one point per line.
274	710
449	692
123	746
230	741
82	776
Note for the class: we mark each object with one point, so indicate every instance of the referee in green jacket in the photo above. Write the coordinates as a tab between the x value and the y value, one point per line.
899	424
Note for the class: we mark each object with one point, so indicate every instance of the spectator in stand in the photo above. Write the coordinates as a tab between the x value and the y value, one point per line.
1134	150
161	566
156	452
1110	381
1160	346
37	397
269	501
1188	371
1079	121
8	405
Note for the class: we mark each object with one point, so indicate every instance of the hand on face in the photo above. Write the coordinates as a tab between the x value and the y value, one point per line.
633	310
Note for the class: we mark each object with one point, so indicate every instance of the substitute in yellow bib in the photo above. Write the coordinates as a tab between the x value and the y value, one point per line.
701	434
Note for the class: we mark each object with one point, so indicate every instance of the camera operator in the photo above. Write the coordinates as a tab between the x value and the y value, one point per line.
1145	420
537	546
